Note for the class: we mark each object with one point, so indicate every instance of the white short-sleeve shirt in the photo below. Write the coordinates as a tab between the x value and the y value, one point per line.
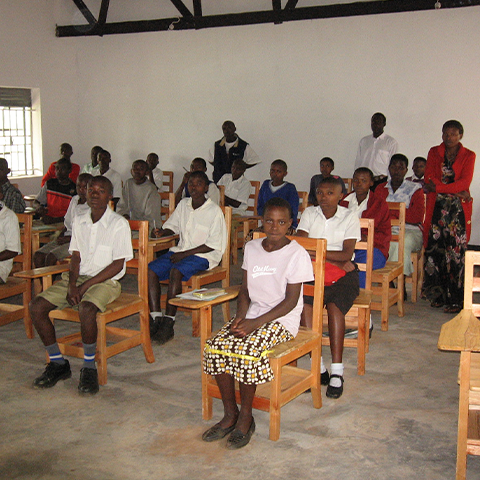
237	190
204	225
344	225
73	209
9	238
116	180
268	274
102	242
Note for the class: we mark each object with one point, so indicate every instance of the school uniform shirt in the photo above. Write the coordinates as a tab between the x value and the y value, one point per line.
102	242
204	225
116	180
9	238
56	197
213	193
75	172
157	174
73	209
89	168
13	198
375	153
268	274
237	190
344	225
287	191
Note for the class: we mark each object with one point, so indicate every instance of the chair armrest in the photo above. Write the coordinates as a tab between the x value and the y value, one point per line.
43	272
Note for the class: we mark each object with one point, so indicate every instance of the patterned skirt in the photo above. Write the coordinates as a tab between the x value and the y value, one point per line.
245	359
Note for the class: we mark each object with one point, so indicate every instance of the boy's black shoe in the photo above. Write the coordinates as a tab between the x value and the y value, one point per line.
52	374
154	325
165	330
88	381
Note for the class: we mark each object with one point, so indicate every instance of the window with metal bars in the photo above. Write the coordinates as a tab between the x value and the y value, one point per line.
17	130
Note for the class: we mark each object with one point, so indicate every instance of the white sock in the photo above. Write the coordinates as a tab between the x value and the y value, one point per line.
371	323
155	314
323	368
170	316
337	369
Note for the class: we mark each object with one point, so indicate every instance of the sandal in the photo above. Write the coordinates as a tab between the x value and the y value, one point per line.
438	303
455	308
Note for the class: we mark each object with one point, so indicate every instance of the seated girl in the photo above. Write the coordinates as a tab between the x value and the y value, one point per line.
268	313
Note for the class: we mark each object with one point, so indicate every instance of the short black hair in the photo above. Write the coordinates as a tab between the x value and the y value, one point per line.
153	155
328	159
85	177
280	163
200	160
399	157
106	152
143	162
64	161
453	124
103	180
364	170
380	114
331	181
420	159
277	202
240	164
201	175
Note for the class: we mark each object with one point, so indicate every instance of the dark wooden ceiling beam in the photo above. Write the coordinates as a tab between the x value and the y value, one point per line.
85	12
269	16
197	8
277	11
291	4
102	16
180	6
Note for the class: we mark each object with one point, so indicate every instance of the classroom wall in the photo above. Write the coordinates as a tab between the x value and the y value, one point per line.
297	91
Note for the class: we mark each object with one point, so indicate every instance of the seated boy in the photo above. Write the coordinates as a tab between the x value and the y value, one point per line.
140	198
104	159
10	245
237	188
418	167
198	165
155	174
12	196
326	167
57	249
278	187
341	228
397	189
54	197
93	168
66	151
101	244
200	223
366	204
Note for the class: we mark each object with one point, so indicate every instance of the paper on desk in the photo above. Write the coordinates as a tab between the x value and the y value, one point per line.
190	296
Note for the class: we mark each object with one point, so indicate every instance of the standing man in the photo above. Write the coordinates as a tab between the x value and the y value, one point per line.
374	151
228	149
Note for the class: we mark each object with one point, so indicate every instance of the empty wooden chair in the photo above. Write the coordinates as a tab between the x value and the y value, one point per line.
302	203
290	381
168	181
348	184
19	286
385	296
416	279
168	204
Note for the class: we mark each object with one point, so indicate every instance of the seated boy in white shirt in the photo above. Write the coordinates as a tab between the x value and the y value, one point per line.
200	223
341	227
100	247
155	174
237	188
10	245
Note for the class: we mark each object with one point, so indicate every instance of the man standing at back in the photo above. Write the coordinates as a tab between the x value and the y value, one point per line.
228	149
374	151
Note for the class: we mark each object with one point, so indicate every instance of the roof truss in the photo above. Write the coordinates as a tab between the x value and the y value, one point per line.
196	20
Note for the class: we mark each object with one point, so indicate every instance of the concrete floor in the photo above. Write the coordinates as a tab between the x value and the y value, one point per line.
396	422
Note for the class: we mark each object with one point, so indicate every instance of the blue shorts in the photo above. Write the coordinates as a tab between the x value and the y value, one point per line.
187	267
379	261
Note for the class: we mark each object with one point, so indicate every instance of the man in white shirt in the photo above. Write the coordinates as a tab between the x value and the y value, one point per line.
93	168
104	160
100	247
237	188
374	151
155	174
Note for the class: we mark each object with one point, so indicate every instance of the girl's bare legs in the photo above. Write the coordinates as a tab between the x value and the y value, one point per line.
227	390
247	393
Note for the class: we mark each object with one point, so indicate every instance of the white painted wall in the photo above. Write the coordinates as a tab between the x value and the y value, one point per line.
297	91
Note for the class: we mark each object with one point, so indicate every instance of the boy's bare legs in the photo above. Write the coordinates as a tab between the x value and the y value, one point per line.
226	386
153	292
336	331
174	288
87	312
39	310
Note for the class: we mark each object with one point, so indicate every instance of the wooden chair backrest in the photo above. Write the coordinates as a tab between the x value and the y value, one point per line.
140	261
253	198
303	202
367	267
472	281
349	184
168	182
23	261
400	223
221	188
317	248
225	263
167	200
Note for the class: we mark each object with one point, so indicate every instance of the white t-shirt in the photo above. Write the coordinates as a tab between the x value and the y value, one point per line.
237	190
9	238
268	274
158	178
344	225
116	180
375	153
102	242
73	209
204	225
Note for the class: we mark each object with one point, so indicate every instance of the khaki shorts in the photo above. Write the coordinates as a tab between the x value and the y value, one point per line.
100	294
60	251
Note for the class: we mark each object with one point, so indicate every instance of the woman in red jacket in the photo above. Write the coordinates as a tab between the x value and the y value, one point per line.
447	227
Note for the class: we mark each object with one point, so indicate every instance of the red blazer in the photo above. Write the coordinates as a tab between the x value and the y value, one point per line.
463	168
51	173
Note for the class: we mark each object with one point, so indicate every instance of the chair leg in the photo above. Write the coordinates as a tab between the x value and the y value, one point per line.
465	359
275	400
195	323
315	369
415	261
27	297
385	307
368	312
401	296
146	341
101	356
206	399
362	333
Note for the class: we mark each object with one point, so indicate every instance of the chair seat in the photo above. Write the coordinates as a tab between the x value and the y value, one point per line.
303	339
13	286
391	270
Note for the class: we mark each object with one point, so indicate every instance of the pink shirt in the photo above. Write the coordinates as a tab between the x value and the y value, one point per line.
269	273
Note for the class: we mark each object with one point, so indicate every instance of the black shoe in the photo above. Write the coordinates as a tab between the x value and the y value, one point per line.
165	330
88	381
154	325
52	374
370	331
216	433
324	378
335	392
238	440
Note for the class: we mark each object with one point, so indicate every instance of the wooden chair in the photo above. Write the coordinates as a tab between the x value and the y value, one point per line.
127	304
16	286
463	334
168	181
246	222
349	184
168	204
221	273
384	296
221	188
358	316
416	279
303	202
290	381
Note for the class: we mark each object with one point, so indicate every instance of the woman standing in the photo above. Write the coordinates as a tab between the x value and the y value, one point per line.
447	226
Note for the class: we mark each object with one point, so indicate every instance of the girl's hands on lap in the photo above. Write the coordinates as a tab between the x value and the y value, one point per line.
243	327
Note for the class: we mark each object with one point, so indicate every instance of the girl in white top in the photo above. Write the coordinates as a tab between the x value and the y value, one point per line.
268	312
